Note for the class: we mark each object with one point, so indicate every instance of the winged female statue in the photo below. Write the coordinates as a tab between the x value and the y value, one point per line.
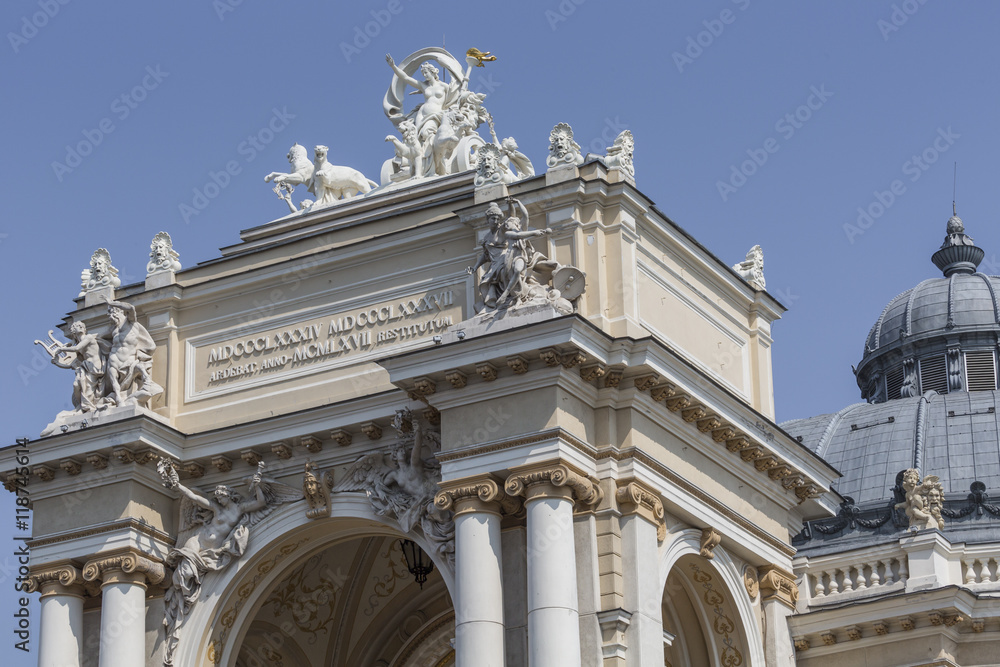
214	531
401	484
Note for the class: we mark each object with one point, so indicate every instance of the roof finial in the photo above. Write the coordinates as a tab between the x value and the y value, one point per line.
954	189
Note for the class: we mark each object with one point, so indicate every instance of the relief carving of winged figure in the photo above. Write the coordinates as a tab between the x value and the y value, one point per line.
213	531
401	483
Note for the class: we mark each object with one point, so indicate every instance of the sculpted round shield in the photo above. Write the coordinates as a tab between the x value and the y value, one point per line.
570	281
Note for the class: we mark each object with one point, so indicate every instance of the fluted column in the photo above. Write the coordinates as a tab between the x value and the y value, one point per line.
124	578
479	623
642	527
60	639
550	493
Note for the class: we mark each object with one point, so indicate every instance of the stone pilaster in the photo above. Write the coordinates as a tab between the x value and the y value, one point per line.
124	577
778	595
643	528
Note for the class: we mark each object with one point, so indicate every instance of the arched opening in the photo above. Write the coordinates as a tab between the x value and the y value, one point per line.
352	603
701	623
333	591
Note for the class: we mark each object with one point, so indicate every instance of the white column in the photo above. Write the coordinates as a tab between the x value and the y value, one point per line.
60	633
123	619
778	595
479	622
553	616
123	577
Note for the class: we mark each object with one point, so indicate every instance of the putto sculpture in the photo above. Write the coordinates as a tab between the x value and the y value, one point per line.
329	183
620	154
516	273
923	501
213	532
402	483
752	268
162	256
101	273
563	150
113	369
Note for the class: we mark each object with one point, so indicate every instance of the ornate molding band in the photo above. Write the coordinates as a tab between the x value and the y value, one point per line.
633	497
476	494
125	524
584	490
565	436
129	563
776	584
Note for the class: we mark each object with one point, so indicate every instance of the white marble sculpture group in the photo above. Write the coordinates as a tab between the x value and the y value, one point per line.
437	137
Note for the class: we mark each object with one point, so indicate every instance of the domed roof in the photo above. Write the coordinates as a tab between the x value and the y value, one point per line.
918	341
954	436
936	307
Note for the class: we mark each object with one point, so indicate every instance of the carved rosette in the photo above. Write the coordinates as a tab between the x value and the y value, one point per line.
532	482
481	494
777	584
60	580
751	581
634	497
127	567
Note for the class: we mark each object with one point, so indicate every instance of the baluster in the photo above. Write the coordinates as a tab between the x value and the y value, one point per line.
819	590
848	584
874	579
995	570
970	571
834	587
860	582
903	571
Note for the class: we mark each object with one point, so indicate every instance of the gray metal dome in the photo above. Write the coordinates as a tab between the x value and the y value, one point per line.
941	335
955	436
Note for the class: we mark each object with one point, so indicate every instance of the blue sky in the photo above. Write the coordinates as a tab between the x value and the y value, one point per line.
831	103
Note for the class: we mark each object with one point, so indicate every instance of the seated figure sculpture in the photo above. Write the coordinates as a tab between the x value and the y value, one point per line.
517	274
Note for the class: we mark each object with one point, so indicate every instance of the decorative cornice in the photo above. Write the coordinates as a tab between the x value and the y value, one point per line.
531	482
777	584
109	569
475	494
683	484
124	524
634	497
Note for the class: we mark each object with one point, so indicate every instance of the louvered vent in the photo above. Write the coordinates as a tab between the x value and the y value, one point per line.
893	382
980	369
933	374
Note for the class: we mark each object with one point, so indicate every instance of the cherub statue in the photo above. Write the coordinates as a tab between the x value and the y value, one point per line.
752	268
213	531
402	484
563	150
924	500
512	156
409	151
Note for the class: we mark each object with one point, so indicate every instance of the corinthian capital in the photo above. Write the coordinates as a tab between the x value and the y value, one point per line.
475	494
549	480
124	567
63	579
634	497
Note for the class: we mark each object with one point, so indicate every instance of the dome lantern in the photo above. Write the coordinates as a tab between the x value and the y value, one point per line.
958	253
